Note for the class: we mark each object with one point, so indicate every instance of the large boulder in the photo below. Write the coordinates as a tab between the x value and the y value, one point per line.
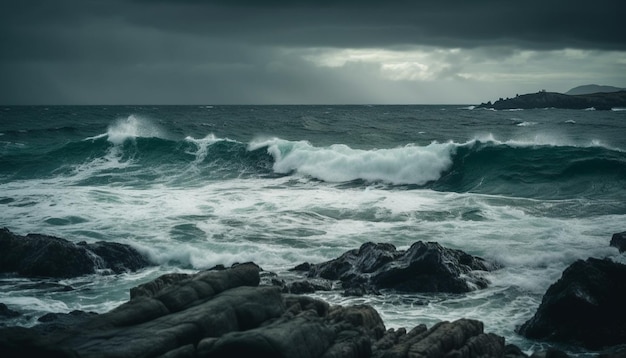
36	255
618	240
584	307
424	267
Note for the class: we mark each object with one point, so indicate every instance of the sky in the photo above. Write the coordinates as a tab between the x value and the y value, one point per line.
305	51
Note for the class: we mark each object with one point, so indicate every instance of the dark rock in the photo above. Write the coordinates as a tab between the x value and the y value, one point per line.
302	267
513	351
302	336
151	288
584	307
19	342
299	287
116	257
225	313
37	255
543	99
458	337
7	312
550	353
424	267
619	240
53	322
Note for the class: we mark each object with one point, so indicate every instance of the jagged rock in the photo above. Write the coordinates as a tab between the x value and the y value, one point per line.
619	240
302	286
584	307
36	255
424	267
226	314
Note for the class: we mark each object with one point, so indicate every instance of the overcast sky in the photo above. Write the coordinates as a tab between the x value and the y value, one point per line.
304	51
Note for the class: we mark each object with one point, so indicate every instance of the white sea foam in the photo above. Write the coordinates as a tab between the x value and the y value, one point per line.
281	222
203	144
541	139
129	128
36	304
340	163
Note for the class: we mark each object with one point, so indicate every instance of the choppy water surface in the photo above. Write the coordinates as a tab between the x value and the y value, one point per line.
197	186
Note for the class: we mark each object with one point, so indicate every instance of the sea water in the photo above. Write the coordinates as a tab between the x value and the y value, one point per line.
196	186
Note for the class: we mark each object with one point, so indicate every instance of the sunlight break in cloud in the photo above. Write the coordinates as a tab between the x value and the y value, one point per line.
487	64
396	65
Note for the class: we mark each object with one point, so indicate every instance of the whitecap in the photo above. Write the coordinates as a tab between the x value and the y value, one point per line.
410	164
133	127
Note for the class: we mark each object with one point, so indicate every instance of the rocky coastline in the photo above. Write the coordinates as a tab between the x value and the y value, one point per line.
543	99
245	311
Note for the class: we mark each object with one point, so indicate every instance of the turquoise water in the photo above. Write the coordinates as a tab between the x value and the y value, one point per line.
196	186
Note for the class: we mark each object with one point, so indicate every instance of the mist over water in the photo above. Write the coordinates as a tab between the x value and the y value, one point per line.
193	187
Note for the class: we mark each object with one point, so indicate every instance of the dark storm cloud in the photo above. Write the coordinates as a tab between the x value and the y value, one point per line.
237	51
529	24
534	24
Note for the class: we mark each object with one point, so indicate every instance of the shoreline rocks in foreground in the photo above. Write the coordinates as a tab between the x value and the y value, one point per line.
585	307
36	255
224	313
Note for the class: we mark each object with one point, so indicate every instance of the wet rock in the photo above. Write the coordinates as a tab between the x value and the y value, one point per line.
584	307
619	241
116	257
36	255
300	287
424	267
52	322
226	314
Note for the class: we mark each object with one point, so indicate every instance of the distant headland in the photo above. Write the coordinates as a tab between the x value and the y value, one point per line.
582	97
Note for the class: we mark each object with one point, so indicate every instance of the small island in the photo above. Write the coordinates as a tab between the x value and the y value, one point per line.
543	99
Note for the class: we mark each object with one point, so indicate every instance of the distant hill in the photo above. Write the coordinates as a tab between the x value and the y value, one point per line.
543	99
589	89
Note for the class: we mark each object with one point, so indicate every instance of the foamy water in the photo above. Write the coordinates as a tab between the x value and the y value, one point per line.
533	198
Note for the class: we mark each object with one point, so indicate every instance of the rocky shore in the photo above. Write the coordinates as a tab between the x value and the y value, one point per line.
243	311
543	99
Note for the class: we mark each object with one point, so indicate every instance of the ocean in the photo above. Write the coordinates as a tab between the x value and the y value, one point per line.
197	186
